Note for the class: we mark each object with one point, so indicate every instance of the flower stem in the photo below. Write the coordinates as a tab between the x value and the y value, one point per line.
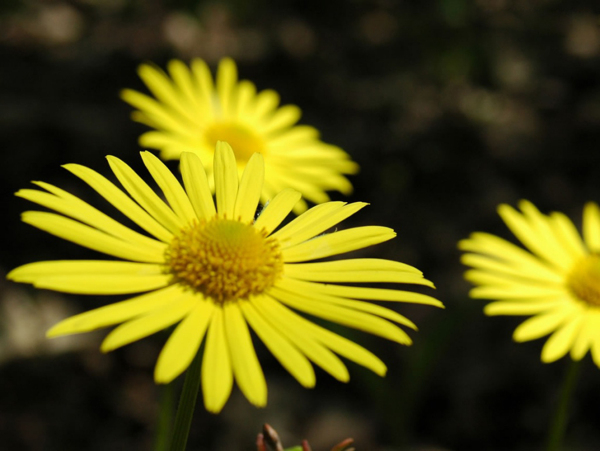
165	418
559	423
187	402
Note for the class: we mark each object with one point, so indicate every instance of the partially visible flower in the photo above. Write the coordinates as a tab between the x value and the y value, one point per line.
190	113
557	281
216	270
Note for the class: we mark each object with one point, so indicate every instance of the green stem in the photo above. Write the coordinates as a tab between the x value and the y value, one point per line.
187	402
165	417
559	423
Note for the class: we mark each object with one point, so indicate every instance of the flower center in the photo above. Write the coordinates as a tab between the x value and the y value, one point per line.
584	280
224	259
243	141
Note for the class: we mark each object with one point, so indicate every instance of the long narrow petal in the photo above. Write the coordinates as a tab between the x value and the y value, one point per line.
293	327
522	306
338	243
314	215
226	179
537	272
560	342
226	81
298	286
532	237
162	88
196	185
591	226
314	228
284	117
246	367
540	325
183	344
348	349
116	313
120	201
103	283
91	238
69	205
277	210
250	188
321	274
587	331
342	315
144	326
143	194
170	187
31	272
157	112
217	374
375	294
283	349
570	239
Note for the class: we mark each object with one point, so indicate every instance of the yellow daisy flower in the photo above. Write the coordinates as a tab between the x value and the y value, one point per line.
216	270
191	113
558	281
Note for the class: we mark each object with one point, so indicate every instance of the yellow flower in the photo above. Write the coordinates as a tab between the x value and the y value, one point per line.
191	113
558	281
216	270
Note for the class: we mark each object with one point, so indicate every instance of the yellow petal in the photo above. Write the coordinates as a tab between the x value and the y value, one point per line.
284	117
226	179
196	185
299	286
277	210
226	84
508	255
183	344
116	313
158	113
348	349
143	194
376	294
315	214
83	235
337	243
69	205
120	201
591	226
319	273
250	189
588	330
314	228
282	348
246	367
144	326
217	374
522	307
162	88
540	325
561	341
342	315
170	187
293	327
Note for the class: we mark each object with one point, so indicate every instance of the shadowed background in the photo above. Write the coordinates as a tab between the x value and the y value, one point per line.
450	107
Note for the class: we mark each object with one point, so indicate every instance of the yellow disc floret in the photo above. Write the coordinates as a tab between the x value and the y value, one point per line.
224	259
242	140
584	280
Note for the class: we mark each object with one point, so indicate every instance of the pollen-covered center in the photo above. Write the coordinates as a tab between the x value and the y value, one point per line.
223	259
242	140
584	280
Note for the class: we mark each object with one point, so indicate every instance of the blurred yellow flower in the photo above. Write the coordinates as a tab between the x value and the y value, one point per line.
216	270
557	281
190	113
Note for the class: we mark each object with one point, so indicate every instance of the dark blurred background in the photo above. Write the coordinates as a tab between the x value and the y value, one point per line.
449	106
